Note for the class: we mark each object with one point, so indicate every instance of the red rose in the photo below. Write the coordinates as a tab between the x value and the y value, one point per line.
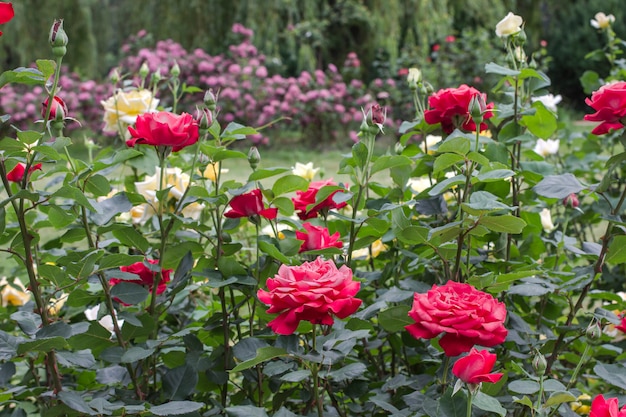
467	316
314	291
17	173
164	129
6	13
146	276
250	205
476	367
317	237
304	199
622	325
571	200
606	408
58	106
450	38
403	71
610	105
450	108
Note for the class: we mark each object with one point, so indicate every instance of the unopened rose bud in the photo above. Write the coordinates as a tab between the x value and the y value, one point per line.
399	148
175	71
206	119
58	39
539	363
210	100
144	70
477	108
414	78
571	201
254	157
58	109
378	115
114	77
520	38
156	77
594	332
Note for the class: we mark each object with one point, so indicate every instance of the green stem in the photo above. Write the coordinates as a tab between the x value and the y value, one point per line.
470	399
315	371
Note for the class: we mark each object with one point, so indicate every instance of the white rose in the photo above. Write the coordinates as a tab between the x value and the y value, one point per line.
429	142
546	220
602	21
105	321
549	101
510	25
305	171
547	147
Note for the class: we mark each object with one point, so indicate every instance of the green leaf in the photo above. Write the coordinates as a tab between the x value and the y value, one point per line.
503	224
75	402
288	184
617	250
359	152
273	251
614	374
558	186
83	358
129	292
21	75
42	345
493	68
260	174
60	218
74	194
524	386
395	318
348	372
179	382
175	408
47	67
81	298
98	185
245	411
228	154
96	339
237	131
446	160
459	145
118	259
132	238
136	353
29	136
560	397
482	202
388	162
229	266
296	376
542	123
262	355
488	403
444	185
495	175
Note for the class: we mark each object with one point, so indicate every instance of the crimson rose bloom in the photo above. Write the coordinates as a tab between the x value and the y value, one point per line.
146	276
317	237
303	199
250	205
610	105
313	291
164	129
622	325
476	367
17	173
450	108
58	106
606	408
467	316
6	13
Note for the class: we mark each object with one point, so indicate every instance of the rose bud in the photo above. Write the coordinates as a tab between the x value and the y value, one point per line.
571	201
58	109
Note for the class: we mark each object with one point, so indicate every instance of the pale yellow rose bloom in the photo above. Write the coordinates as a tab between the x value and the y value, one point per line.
602	21
429	142
546	220
123	107
211	171
418	185
578	407
13	294
377	248
414	76
56	304
177	181
305	171
547	147
510	25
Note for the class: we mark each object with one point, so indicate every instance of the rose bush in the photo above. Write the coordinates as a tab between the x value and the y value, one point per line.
313	291
465	316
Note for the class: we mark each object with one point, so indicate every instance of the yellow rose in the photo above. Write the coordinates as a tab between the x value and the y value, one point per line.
602	21
13	294
123	107
305	171
579	407
377	247
510	25
56	304
211	171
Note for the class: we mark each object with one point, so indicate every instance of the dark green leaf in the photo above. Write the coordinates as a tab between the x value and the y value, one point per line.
488	403
558	186
288	184
262	355
175	408
614	374
74	401
179	382
132	238
42	345
129	292
395	318
503	224
136	353
493	68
